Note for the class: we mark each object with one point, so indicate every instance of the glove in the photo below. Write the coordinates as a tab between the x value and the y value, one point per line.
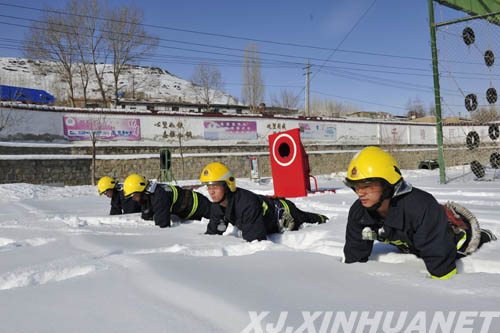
286	221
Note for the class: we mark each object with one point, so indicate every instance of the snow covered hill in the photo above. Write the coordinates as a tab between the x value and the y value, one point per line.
143	83
67	266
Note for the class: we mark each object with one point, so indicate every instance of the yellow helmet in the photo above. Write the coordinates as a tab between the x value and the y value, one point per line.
133	184
217	172
373	163
105	183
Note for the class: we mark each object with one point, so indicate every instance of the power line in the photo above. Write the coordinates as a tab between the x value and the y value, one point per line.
240	50
234	49
386	83
359	100
273	62
280	64
342	73
237	37
341	42
345	38
485	77
268	63
227	36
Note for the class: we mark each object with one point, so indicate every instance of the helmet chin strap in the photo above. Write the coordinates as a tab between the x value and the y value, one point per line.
221	200
375	206
387	193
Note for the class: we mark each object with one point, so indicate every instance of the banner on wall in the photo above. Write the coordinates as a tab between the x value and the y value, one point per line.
230	130
79	128
317	131
394	134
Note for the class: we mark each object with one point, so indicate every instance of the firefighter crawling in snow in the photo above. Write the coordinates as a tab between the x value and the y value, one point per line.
158	201
256	216
114	190
390	210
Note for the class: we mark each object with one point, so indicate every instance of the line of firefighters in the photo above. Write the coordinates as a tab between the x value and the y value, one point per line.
388	210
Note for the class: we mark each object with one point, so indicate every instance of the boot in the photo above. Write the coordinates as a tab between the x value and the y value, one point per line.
486	237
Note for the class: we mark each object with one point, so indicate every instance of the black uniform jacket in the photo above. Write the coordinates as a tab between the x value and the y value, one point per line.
163	199
253	214
416	222
121	205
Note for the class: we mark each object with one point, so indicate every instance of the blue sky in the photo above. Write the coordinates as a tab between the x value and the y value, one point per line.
384	57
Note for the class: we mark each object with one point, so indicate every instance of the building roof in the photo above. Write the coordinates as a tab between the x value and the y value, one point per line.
373	115
449	120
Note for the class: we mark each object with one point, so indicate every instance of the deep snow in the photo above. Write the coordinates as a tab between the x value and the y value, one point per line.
67	266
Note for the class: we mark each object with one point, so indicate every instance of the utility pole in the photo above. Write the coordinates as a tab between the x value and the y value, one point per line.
307	106
437	95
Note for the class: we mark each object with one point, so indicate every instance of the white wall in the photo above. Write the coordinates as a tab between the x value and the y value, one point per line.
346	132
31	122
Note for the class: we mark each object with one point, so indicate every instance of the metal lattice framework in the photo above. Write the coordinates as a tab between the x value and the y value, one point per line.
467	77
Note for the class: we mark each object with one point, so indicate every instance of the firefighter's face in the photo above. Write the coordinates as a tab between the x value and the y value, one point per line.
369	193
137	196
109	193
216	191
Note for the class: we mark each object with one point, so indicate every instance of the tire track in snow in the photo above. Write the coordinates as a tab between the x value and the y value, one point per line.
48	272
174	293
35	277
224	251
9	244
313	241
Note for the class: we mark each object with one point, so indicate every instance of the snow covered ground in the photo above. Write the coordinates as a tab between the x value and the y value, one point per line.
66	266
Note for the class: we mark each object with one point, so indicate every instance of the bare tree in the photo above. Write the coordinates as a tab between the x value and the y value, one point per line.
485	114
253	84
94	40
79	32
97	127
286	99
432	109
331	108
126	39
207	83
140	82
8	118
90	49
51	38
415	108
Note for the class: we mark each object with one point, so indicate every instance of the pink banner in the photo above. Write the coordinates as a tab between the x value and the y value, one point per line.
80	128
230	130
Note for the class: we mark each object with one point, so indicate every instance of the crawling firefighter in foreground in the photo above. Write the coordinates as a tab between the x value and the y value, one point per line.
390	210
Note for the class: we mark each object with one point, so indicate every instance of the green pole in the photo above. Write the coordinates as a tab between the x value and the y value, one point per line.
437	96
